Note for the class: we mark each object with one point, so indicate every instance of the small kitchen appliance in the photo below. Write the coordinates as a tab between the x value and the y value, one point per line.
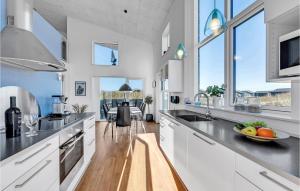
289	54
59	105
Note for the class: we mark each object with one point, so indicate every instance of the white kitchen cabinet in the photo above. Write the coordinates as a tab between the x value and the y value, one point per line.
262	177
26	160
210	165
43	176
166	138
172	76
173	141
242	184
89	139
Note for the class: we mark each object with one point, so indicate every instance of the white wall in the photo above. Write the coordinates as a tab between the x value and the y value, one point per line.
136	61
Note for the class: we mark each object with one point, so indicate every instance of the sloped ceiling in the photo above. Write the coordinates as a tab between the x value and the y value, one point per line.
143	20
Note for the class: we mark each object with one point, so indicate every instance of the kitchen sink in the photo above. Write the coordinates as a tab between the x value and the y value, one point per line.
193	118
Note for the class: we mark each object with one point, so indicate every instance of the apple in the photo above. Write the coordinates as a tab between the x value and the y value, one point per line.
249	131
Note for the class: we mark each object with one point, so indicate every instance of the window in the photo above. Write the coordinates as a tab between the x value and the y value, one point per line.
165	40
211	63
250	65
110	94
106	54
205	7
3	14
239	5
243	47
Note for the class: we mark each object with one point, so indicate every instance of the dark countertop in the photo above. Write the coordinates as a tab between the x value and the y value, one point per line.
281	156
47	128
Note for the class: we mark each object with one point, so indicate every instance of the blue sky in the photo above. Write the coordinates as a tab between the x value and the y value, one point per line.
103	55
250	51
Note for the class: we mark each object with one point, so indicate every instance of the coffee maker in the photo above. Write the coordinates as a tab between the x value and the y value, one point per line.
59	105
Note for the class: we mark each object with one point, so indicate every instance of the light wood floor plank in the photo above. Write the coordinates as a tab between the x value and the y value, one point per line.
113	168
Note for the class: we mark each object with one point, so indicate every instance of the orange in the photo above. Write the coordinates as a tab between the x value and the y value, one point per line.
265	132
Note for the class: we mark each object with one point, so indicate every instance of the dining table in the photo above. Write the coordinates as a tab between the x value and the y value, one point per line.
135	112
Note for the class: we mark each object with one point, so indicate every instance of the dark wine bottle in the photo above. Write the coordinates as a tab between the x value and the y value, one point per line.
13	119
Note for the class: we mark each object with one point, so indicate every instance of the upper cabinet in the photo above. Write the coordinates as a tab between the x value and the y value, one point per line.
172	76
281	17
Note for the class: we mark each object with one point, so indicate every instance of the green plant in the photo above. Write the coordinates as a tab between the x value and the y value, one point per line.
79	109
215	91
148	101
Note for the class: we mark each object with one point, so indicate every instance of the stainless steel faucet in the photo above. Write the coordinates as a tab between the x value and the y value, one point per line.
208	113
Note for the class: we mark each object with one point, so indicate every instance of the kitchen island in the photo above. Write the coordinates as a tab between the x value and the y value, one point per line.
280	157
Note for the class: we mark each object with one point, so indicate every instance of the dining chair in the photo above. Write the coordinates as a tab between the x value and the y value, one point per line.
123	120
141	118
109	118
125	103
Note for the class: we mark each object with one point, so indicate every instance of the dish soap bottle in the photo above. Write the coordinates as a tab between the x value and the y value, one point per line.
13	119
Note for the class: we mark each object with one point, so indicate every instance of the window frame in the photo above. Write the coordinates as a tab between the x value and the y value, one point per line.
93	53
232	22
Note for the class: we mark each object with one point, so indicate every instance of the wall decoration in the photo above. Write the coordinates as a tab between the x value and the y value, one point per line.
80	88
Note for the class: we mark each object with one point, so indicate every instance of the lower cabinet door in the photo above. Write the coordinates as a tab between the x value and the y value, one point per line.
41	177
211	166
241	184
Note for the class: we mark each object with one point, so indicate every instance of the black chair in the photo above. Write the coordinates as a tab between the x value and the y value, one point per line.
123	119
141	118
109	119
125	103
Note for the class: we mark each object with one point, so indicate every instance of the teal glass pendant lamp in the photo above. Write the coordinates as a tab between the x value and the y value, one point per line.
180	52
215	22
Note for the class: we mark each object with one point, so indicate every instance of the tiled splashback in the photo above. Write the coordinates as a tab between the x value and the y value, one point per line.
41	84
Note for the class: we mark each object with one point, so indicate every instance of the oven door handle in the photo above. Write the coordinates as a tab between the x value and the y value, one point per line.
71	147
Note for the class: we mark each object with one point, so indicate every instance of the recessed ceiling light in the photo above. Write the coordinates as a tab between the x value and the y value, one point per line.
125	11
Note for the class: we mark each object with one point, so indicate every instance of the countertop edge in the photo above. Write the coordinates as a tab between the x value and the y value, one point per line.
12	157
271	167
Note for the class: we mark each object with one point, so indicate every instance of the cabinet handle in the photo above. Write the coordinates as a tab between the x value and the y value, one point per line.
91	142
211	143
91	118
162	138
265	174
33	154
33	175
91	126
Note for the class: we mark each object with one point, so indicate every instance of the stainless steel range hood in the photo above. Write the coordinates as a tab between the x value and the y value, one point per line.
19	46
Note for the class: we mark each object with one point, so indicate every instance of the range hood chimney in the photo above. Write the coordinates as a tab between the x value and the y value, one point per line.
19	46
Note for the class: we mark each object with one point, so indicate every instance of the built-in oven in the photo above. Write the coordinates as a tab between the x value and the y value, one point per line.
71	154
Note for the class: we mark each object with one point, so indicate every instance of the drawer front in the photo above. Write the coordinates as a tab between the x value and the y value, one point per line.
88	122
262	177
89	143
55	186
242	184
41	177
22	163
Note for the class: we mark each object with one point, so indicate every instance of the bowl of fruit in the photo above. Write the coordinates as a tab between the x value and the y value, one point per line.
259	131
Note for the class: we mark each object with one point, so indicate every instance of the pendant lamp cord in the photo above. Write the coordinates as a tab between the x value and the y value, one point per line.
214	4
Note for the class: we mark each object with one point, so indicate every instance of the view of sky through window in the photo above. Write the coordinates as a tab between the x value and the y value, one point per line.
106	54
211	63
239	5
250	61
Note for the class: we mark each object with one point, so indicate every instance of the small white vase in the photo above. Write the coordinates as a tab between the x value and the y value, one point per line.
216	101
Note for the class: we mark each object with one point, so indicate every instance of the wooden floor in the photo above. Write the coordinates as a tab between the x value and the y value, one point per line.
115	168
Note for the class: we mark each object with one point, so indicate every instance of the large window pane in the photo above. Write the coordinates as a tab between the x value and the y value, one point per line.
239	5
211	63
250	65
106	54
204	9
110	94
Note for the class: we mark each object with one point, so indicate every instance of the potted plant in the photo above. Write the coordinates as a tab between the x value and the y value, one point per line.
79	109
148	101
215	92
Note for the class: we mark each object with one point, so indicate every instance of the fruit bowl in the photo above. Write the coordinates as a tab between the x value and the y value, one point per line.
279	135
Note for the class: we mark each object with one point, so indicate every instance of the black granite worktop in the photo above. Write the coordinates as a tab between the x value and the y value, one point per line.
281	156
47	127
